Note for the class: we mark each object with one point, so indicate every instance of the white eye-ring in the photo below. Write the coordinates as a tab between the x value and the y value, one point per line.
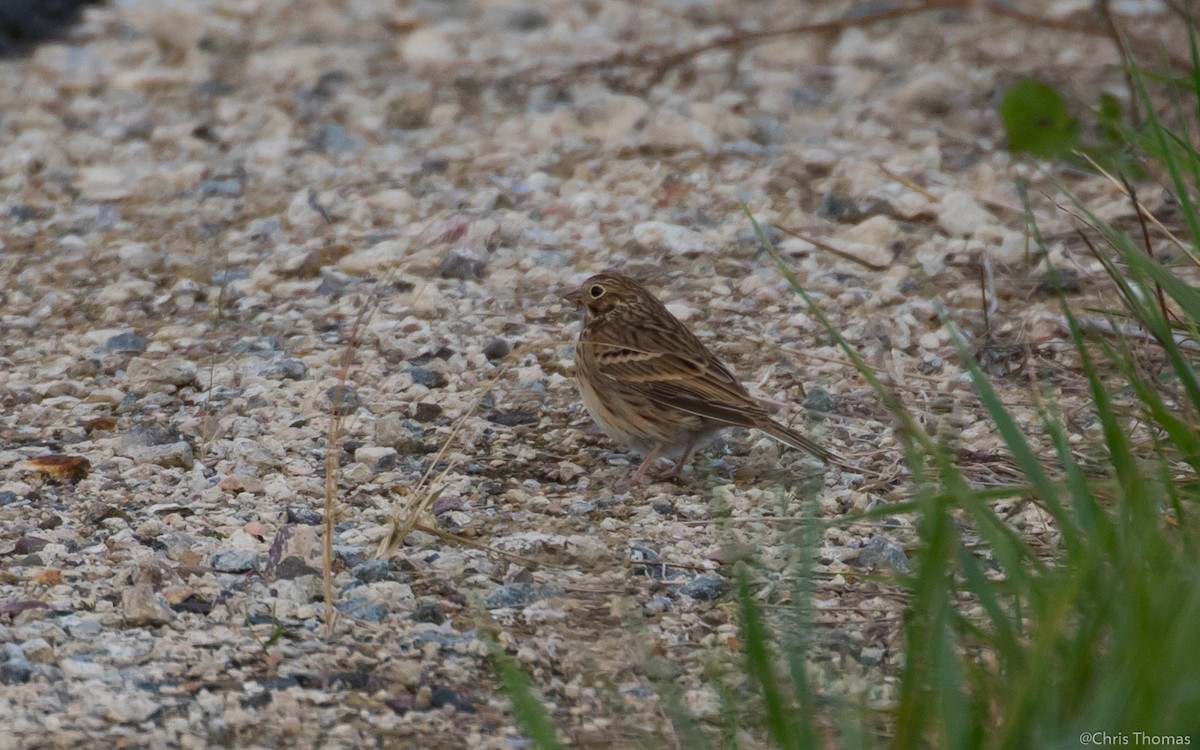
596	291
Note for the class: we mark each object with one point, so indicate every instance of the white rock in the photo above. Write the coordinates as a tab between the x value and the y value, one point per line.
873	255
300	213
1005	246
300	590
720	119
380	256
858	45
407	672
704	703
132	710
372	454
79	669
930	90
150	78
172	454
817	159
136	255
100	336
37	650
428	48
153	373
103	183
143	607
681	311
877	230
395	201
673	131
356	473
960	215
659	235
587	550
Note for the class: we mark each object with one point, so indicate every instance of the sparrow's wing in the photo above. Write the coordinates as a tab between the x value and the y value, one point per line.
671	367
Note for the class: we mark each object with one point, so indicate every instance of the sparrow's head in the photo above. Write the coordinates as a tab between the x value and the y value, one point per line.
605	292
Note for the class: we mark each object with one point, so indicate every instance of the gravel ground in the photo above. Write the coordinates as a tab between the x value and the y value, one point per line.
209	208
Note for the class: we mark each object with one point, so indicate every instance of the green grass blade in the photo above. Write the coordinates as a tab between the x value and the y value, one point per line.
759	666
527	709
1026	460
1158	134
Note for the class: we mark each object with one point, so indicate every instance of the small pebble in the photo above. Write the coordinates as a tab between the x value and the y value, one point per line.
361	609
512	417
427	377
126	342
371	571
672	238
343	399
883	551
819	403
142	606
704	588
431	612
234	561
333	138
512	595
527	19
299	514
227	188
426	412
172	454
286	368
457	266
496	349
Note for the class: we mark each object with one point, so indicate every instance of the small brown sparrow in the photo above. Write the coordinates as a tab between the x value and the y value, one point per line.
649	382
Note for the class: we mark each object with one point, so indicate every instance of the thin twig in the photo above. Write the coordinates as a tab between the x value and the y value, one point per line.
833	250
1132	193
907	183
458	539
659	62
1140	207
332	454
406	519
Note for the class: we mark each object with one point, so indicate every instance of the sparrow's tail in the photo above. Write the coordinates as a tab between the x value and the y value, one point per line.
788	436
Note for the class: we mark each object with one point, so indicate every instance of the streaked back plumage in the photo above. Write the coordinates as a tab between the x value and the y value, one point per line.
639	355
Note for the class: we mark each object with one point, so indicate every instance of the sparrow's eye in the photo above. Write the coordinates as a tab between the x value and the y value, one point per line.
596	291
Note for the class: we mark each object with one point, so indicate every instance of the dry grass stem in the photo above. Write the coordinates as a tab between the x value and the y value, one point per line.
334	436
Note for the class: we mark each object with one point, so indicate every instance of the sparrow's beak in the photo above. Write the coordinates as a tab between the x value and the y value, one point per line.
575	298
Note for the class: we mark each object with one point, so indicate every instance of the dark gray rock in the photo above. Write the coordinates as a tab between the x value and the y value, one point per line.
704	588
819	402
371	571
343	399
496	349
363	609
287	368
511	417
234	560
527	19
427	377
333	138
169	455
226	188
513	595
457	266
883	551
126	342
426	412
